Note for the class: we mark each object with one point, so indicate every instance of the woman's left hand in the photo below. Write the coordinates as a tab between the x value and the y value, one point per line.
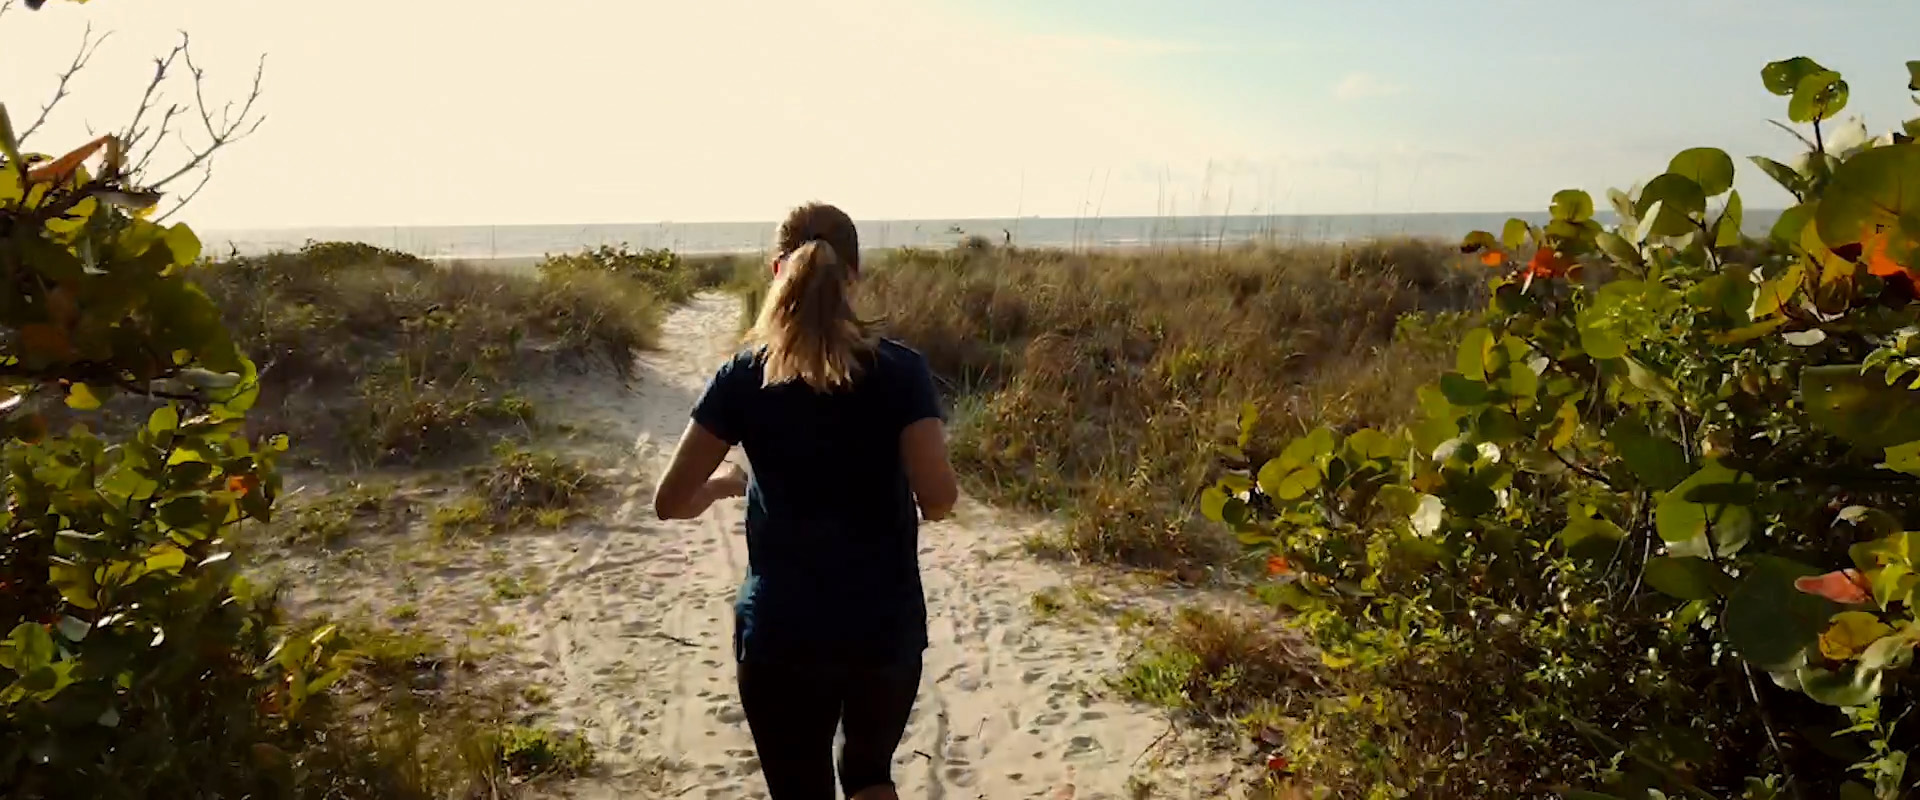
731	482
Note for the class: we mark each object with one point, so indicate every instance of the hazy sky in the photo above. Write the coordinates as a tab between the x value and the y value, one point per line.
410	112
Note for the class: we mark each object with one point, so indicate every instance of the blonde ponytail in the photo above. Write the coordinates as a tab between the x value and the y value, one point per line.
807	324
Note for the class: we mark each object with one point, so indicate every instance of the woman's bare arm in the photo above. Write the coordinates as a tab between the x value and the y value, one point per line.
923	451
689	487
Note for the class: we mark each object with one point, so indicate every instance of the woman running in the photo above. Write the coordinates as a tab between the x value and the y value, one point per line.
848	451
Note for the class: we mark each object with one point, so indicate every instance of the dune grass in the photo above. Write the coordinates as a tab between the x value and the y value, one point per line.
370	356
1103	384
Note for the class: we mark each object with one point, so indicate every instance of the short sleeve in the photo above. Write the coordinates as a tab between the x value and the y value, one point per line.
719	407
918	398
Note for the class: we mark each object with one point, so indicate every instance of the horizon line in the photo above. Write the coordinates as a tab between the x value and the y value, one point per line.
1598	212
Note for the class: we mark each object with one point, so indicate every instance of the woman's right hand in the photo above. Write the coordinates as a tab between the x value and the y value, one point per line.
923	450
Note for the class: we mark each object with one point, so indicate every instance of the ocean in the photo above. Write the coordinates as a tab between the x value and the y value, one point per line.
488	242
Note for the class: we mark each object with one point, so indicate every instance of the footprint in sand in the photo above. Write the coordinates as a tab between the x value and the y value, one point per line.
960	777
1081	747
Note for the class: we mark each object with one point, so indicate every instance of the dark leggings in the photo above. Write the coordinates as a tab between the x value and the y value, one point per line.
794	707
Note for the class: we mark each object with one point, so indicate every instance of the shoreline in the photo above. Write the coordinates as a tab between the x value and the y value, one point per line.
525	261
518	243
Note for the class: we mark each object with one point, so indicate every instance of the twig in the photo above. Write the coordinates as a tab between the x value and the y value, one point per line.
5	6
134	133
1773	738
1583	471
166	121
927	756
205	176
1646	552
676	640
88	46
230	128
1155	744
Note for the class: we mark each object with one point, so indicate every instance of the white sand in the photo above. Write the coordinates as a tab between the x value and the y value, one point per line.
630	631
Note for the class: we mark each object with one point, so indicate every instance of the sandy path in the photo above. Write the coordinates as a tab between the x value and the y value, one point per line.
629	625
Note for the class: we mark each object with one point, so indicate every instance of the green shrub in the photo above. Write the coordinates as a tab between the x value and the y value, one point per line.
671	276
137	662
1647	536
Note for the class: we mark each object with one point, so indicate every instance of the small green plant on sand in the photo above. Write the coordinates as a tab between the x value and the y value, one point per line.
518	487
1218	668
508	586
467	516
533	752
336	515
521	480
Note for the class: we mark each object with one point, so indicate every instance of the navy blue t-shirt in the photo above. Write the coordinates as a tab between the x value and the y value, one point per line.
833	564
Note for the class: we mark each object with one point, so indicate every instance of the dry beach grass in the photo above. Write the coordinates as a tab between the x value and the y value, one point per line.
1098	384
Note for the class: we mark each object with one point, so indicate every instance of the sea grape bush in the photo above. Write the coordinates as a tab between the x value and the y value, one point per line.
1654	535
135	661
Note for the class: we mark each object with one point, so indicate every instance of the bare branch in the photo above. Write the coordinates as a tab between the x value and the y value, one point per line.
141	139
206	175
159	135
231	128
88	46
5	6
134	133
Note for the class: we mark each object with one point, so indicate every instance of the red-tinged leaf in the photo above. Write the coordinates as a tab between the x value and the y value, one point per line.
1279	763
47	340
1877	247
1548	263
61	168
1493	258
1278	565
1845	586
